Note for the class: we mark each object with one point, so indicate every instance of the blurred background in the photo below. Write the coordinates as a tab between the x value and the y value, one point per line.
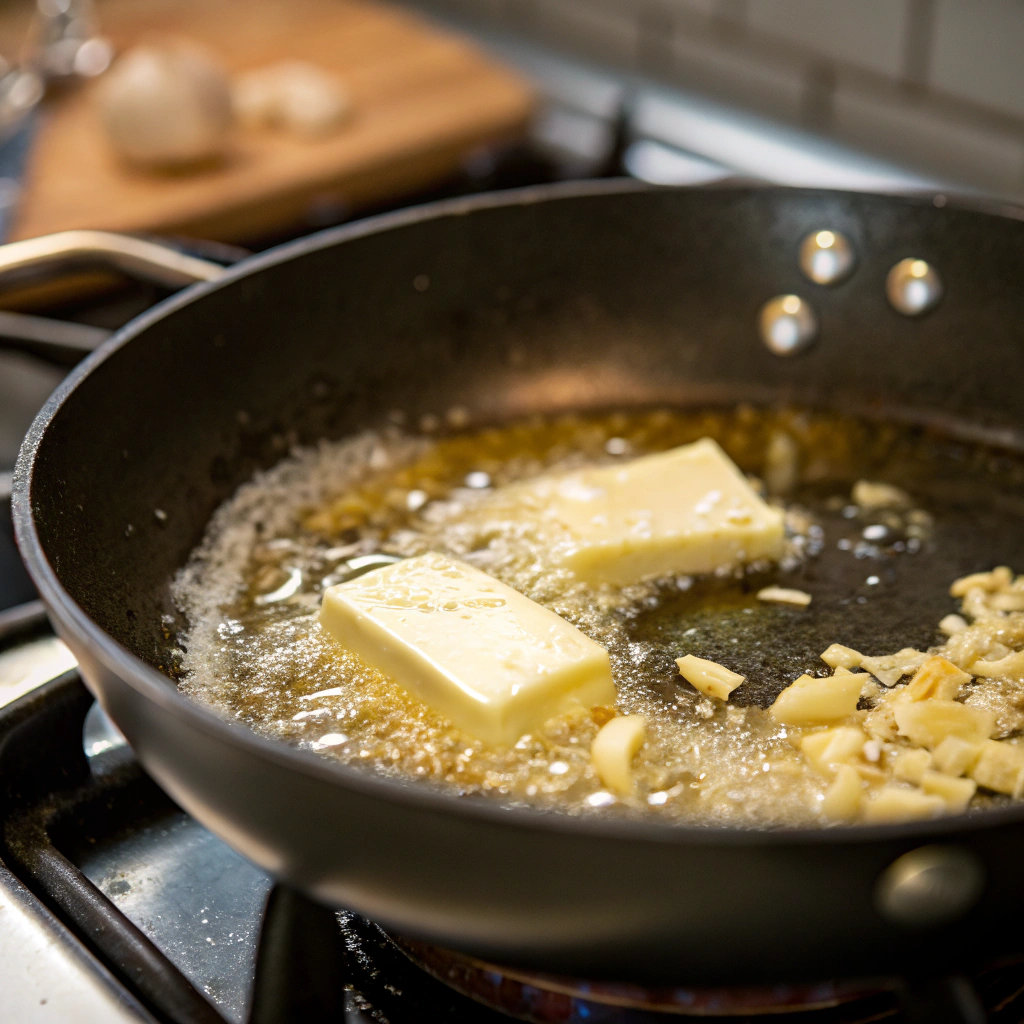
223	127
934	86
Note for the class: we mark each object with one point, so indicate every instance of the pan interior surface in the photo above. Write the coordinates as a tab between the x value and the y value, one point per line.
878	578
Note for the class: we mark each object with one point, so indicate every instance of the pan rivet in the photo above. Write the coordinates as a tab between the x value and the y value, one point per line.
929	886
826	257
788	325
913	287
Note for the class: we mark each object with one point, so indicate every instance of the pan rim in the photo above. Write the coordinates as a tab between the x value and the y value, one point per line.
154	687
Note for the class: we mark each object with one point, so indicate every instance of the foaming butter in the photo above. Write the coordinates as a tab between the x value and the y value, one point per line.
687	510
493	662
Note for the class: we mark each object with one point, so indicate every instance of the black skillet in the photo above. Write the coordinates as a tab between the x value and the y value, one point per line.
582	297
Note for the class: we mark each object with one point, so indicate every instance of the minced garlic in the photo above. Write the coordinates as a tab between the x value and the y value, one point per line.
784	595
925	734
712	679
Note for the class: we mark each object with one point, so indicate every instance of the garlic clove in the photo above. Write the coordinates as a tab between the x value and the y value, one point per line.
294	95
166	105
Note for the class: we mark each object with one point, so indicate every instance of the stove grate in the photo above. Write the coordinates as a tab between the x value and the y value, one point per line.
58	808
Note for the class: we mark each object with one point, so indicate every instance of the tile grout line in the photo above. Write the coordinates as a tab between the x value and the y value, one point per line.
723	27
918	39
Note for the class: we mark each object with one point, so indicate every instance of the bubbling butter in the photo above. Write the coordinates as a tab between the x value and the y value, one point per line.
493	662
688	510
253	649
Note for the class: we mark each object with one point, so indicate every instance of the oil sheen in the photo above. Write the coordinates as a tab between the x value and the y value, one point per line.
879	579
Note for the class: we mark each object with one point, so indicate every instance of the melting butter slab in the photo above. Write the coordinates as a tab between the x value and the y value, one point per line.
688	510
493	662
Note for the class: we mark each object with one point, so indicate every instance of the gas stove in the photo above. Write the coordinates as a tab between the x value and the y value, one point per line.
117	906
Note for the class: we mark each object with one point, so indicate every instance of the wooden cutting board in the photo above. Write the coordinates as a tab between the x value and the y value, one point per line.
422	100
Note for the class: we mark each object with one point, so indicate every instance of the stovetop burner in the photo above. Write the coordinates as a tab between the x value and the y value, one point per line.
550	999
194	934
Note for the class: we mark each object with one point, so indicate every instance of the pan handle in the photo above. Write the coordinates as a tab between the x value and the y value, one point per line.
136	257
53	255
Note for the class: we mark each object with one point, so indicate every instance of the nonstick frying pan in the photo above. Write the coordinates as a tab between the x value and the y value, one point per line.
594	296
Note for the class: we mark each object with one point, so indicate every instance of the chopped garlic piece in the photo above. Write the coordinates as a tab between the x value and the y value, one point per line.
1000	767
911	765
889	669
975	605
784	595
952	625
957	793
992	582
927	723
869	687
843	798
956	756
869	494
295	95
712	679
871	773
837	656
1009	667
937	678
893	803
614	748
781	463
879	722
833	746
810	701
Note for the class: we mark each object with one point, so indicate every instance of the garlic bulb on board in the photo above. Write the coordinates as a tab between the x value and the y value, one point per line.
166	105
294	95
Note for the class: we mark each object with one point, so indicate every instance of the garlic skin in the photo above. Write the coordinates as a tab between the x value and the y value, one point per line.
293	95
166	105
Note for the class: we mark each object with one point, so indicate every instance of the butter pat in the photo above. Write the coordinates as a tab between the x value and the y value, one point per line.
493	662
688	510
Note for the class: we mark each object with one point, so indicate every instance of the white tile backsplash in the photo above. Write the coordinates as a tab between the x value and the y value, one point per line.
936	84
707	8
978	52
608	31
729	74
868	33
909	131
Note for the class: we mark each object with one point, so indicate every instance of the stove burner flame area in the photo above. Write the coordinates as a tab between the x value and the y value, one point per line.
550	999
